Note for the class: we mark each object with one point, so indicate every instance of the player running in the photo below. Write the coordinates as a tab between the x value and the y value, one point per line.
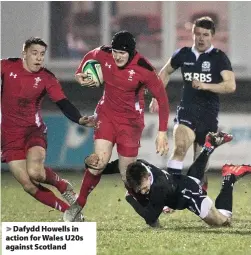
120	112
206	72
25	82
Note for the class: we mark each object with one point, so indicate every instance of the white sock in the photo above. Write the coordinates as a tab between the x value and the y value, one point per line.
175	164
225	213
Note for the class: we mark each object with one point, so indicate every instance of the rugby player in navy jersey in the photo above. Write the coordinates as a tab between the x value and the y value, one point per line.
153	188
206	72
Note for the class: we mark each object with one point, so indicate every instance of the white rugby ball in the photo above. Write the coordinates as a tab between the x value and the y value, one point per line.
94	71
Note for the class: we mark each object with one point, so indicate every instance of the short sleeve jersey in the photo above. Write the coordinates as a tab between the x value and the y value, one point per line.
206	67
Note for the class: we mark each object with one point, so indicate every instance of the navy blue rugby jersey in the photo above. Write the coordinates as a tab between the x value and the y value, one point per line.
205	67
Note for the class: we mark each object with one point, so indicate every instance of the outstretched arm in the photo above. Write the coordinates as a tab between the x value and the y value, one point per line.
72	113
150	212
69	110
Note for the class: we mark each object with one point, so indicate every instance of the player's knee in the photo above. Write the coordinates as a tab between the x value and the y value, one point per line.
36	173
95	164
216	219
29	188
95	171
219	222
180	149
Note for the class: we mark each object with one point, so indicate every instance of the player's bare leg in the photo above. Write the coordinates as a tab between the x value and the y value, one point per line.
18	169
95	164
215	218
92	163
223	214
183	138
37	172
42	194
123	163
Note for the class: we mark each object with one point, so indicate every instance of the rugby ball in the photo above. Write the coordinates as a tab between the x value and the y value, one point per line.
94	71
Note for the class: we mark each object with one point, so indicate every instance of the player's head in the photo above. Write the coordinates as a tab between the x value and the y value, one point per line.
138	177
34	50
203	32
123	48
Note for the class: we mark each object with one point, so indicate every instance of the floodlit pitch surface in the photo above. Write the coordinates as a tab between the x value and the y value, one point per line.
121	231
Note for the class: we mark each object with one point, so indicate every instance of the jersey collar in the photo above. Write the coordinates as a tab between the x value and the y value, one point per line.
149	171
197	54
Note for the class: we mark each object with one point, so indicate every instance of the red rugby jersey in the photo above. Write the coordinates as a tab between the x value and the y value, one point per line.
23	92
124	87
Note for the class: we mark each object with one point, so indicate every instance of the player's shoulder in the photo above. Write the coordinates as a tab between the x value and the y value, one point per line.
10	60
218	52
143	161
154	169
101	52
10	63
185	50
182	51
105	49
49	74
143	63
13	60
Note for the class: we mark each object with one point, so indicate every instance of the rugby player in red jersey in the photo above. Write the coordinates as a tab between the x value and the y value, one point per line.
25	82
120	112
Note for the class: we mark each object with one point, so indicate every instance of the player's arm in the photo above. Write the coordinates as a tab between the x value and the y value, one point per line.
228	85
155	86
166	71
73	114
57	95
79	75
171	65
149	213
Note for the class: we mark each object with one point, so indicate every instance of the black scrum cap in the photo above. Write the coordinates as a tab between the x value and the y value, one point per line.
123	40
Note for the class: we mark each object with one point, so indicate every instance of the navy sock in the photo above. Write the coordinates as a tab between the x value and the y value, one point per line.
225	198
197	169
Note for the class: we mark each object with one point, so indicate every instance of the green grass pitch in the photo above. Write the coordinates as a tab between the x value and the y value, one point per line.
120	231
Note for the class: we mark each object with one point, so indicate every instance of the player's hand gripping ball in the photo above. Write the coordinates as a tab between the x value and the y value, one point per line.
92	68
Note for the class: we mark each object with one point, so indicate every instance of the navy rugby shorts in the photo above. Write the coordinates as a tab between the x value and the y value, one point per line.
200	123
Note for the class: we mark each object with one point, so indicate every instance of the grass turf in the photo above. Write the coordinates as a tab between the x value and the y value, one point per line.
121	231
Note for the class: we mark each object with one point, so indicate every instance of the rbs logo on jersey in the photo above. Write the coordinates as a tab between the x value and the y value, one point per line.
202	77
